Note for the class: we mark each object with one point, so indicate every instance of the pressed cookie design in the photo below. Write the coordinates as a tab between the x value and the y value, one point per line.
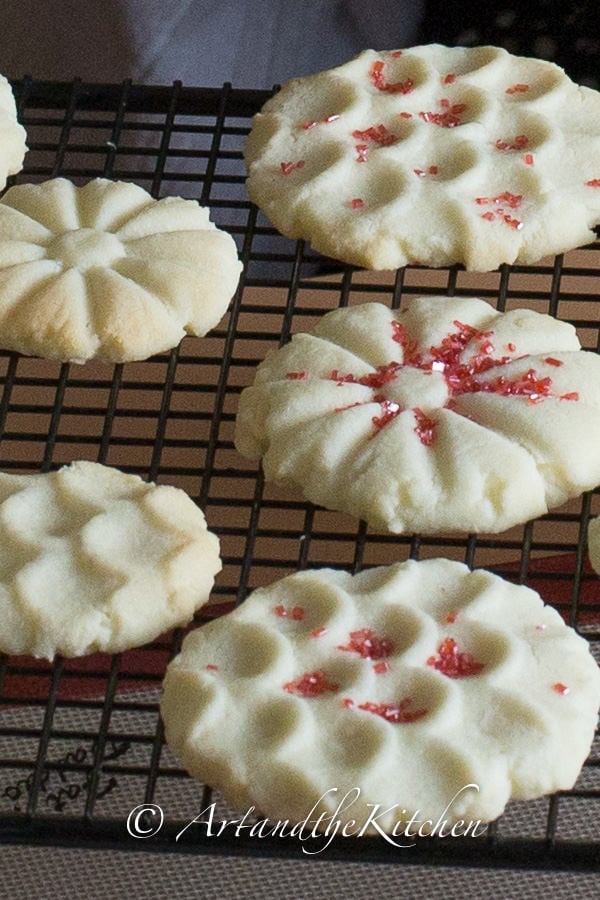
105	271
433	155
447	416
93	559
411	688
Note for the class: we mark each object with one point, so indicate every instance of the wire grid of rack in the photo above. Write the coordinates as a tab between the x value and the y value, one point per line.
81	743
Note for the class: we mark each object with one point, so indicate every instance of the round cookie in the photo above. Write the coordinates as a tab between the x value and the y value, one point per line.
433	154
105	271
12	134
93	559
448	416
406	683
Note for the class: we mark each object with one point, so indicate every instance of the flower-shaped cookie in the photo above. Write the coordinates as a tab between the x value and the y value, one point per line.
431	154
421	689
93	559
447	416
105	271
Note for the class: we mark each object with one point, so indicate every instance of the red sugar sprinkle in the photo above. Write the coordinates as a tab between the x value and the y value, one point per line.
396	53
561	688
377	134
517	89
348	703
514	223
528	159
573	395
318	632
311	684
396	713
519	143
400	336
379	81
450	78
288	167
212	668
451	617
389	410
553	362
512	347
452	663
513	201
381	376
450	118
381	668
425	427
308	124
593	182
368	645
432	170
357	203
361	152
296	613
526	385
405	115
297	376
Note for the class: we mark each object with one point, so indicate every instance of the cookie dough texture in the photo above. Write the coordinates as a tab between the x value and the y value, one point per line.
433	155
105	271
93	559
448	416
12	135
409	682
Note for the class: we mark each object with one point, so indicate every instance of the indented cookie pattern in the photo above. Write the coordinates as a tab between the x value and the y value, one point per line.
431	155
448	416
12	134
105	271
422	684
93	559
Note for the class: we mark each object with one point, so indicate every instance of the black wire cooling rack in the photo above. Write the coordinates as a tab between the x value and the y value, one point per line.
81	743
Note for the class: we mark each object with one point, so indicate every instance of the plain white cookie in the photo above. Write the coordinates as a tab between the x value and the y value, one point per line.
409	682
93	559
447	416
105	271
12	134
434	155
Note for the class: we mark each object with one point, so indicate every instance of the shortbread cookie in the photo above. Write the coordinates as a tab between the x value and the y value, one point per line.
408	683
594	543
447	416
95	559
434	155
105	271
12	135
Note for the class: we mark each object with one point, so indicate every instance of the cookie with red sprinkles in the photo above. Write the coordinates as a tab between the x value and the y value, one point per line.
421	690
432	154
446	416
